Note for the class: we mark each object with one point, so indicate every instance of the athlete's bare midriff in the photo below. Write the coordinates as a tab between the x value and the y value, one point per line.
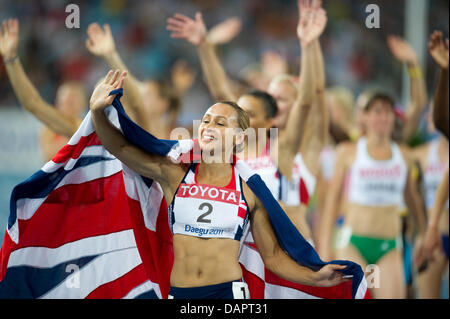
204	261
381	222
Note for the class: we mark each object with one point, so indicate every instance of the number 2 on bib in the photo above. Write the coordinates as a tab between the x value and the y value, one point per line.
201	218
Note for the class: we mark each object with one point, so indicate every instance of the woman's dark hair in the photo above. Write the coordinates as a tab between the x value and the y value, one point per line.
270	104
242	116
379	96
242	119
397	133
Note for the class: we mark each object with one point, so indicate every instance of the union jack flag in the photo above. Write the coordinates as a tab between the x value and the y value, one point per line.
87	226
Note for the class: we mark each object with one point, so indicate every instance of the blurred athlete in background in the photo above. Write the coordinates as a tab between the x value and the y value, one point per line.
286	167
60	120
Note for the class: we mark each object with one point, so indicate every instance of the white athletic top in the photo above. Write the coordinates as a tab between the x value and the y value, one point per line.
327	160
433	173
264	166
377	183
301	188
208	211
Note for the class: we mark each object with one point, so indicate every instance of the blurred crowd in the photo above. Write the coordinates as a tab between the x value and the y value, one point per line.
356	57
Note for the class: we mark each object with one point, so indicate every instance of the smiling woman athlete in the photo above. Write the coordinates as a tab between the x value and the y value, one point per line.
207	266
288	163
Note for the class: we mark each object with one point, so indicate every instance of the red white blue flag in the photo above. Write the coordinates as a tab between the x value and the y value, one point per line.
87	226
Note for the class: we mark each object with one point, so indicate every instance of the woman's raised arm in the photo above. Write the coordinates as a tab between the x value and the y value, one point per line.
152	166
312	23
25	91
404	53
100	42
439	51
194	31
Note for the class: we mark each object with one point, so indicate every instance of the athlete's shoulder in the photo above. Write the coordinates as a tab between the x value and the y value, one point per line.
419	152
345	154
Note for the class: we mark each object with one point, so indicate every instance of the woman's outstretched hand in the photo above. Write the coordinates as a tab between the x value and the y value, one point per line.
100	41
312	20
330	275
9	38
100	98
402	50
183	27
438	49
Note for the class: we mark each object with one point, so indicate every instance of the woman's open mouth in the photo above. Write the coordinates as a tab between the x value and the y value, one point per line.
208	137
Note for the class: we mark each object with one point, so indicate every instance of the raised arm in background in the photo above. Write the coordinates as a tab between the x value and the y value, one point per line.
404	53
25	91
225	31
439	51
194	31
316	133
100	42
304	127
157	167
